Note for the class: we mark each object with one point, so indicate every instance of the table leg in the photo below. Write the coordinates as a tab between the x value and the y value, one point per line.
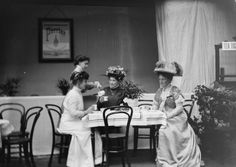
1	155
93	142
157	127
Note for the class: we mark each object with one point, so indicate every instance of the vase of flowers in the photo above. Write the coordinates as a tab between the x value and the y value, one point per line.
10	87
132	92
63	85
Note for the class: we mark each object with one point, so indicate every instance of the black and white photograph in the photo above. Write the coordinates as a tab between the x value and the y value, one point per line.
118	83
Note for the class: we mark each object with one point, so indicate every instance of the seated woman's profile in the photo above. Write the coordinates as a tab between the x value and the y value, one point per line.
80	151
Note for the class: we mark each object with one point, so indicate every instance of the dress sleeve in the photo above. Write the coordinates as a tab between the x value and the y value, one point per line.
101	104
157	100
72	105
178	100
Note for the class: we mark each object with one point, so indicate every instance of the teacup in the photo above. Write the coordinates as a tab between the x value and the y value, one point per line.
105	98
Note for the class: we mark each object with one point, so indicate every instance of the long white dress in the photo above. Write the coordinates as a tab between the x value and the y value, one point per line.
80	150
177	142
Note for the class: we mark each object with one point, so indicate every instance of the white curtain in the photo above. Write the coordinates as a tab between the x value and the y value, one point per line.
187	31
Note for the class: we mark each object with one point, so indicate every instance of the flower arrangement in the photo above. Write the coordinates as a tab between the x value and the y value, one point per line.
116	70
63	85
132	91
10	87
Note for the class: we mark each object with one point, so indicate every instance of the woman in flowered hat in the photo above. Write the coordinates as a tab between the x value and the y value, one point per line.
112	95
177	141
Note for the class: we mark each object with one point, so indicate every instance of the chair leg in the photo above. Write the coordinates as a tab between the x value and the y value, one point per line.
103	157
26	154
123	159
2	158
31	154
8	153
20	152
61	149
108	159
121	145
107	153
135	139
127	157
52	152
2	154
150	139
67	143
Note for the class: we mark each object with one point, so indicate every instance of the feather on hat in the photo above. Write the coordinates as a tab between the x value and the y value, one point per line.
166	67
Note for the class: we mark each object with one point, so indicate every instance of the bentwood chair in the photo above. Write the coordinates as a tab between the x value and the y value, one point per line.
64	139
151	131
14	112
31	117
188	107
117	143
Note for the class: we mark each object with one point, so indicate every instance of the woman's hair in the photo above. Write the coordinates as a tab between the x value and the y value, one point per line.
169	76
80	58
79	77
117	77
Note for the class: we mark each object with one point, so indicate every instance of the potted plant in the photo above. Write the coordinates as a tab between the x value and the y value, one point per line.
63	85
132	92
10	87
216	109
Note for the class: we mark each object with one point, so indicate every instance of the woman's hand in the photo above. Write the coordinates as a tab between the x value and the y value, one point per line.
90	109
154	107
97	84
101	93
103	98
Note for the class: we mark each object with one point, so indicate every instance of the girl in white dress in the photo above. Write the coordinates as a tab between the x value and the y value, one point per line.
80	150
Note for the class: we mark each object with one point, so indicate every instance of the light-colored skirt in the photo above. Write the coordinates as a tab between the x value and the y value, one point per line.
80	151
177	144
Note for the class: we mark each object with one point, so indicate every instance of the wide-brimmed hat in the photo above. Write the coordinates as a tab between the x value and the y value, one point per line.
167	67
116	71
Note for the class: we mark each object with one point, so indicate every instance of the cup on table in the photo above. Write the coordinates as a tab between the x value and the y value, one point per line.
105	98
101	93
95	107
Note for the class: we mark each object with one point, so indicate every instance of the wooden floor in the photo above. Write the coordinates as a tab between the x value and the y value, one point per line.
143	158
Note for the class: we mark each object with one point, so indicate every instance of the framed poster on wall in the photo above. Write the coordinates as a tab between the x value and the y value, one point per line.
55	40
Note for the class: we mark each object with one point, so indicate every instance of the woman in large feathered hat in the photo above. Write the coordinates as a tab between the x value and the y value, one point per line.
177	141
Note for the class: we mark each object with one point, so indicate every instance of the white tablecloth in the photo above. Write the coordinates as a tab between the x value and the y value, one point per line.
140	117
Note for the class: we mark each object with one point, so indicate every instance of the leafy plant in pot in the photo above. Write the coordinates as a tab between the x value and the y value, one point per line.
132	92
10	87
217	114
63	85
